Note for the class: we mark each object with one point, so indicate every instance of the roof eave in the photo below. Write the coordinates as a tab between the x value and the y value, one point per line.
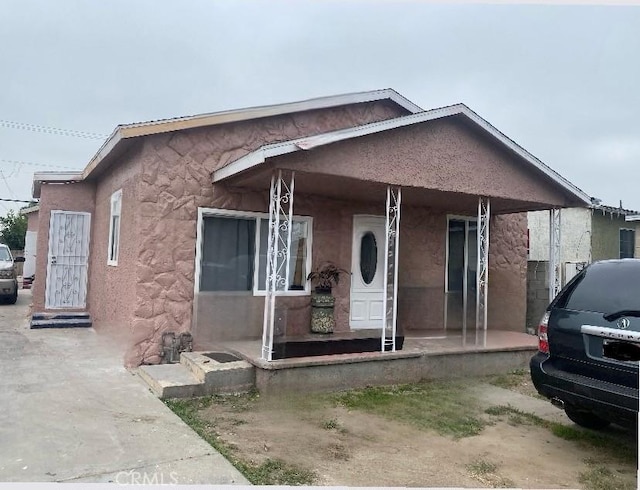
128	131
246	162
31	209
40	178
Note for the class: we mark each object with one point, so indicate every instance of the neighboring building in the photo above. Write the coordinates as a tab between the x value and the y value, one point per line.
634	220
166	229
587	234
30	242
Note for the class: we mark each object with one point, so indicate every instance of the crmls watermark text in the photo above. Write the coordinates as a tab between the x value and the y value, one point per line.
134	477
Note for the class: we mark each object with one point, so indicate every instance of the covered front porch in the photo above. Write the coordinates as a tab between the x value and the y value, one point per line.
425	216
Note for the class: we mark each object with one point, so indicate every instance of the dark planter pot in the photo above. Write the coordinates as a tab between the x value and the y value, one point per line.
322	304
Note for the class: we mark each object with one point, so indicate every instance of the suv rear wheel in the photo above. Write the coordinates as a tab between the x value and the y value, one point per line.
585	419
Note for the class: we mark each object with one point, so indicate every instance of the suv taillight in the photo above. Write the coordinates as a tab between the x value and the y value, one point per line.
543	339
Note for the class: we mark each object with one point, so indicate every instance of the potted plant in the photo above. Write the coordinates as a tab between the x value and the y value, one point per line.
322	301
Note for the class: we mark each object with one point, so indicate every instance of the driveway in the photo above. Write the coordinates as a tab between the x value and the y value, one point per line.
69	411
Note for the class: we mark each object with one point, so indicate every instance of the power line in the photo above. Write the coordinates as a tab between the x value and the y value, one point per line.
50	130
17	200
4	178
48	165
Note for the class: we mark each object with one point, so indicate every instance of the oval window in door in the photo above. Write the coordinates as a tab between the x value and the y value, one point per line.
368	257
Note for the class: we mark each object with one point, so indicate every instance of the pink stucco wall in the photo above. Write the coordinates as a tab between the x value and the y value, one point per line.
112	287
67	197
32	221
443	154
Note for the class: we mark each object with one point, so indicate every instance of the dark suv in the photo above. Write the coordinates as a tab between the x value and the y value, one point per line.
589	346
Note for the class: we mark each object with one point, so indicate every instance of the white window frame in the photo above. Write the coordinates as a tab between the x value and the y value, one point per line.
115	206
229	213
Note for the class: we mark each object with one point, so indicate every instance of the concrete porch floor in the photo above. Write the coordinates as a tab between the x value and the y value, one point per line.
427	355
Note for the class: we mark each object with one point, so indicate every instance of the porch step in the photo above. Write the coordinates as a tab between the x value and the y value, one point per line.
221	372
197	374
171	381
61	320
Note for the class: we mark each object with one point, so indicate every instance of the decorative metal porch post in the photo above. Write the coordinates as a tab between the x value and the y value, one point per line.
278	253
555	279
391	251
482	278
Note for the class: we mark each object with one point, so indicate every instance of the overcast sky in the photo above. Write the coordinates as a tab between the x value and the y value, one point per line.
562	81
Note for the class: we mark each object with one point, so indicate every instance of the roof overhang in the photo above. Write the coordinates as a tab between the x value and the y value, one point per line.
123	136
40	178
30	209
261	155
632	217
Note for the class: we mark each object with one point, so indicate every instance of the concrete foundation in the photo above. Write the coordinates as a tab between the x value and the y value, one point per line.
375	371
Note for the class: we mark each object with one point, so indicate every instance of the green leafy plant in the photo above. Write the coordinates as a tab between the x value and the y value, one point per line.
13	228
326	276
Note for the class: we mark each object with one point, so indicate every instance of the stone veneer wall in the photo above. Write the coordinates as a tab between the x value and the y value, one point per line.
175	179
508	272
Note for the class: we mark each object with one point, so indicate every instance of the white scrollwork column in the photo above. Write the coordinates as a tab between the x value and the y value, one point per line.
278	253
555	266
391	253
482	278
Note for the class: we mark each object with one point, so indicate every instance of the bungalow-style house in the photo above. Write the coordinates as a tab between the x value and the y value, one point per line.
210	224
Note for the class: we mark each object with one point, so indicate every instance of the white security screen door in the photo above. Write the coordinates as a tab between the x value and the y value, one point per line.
367	272
67	260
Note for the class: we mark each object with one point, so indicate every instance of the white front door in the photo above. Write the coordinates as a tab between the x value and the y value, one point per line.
67	260
367	272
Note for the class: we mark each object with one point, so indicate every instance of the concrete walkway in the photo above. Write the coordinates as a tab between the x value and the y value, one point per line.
69	411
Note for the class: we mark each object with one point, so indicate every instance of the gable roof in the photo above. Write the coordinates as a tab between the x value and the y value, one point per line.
260	155
128	131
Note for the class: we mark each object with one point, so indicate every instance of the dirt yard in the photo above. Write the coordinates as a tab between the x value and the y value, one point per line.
412	436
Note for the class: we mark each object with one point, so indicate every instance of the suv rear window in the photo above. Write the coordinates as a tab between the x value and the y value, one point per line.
604	287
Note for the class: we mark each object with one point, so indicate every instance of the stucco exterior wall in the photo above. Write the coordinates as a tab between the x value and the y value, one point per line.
112	287
231	316
67	197
605	242
32	221
444	155
421	272
575	235
176	180
421	269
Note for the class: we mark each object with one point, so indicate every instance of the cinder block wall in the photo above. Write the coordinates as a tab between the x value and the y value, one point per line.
537	291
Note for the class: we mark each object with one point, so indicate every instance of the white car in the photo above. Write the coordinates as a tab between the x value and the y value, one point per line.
8	279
